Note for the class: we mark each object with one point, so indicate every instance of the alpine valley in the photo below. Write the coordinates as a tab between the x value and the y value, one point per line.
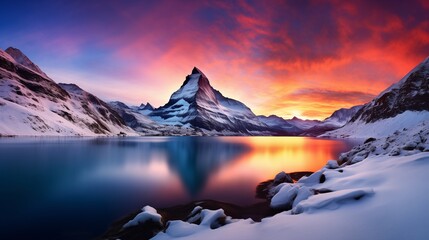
32	104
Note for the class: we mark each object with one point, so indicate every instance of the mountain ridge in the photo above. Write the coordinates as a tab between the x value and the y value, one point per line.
42	107
22	59
32	104
403	104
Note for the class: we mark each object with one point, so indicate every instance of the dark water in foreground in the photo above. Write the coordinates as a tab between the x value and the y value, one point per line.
74	188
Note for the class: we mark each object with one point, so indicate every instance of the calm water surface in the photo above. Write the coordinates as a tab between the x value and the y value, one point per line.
74	188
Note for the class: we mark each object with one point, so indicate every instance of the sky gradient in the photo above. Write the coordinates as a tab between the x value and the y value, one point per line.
297	57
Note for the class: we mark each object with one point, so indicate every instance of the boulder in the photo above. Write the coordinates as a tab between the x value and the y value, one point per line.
282	177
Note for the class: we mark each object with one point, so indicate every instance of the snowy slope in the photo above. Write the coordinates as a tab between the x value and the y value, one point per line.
383	195
33	104
198	105
380	128
403	104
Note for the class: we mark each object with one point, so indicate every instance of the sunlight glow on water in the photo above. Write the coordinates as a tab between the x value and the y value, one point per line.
73	188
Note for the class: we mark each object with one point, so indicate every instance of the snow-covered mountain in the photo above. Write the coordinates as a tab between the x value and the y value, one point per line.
303	124
145	109
197	104
338	119
146	106
280	125
402	105
137	119
134	119
33	104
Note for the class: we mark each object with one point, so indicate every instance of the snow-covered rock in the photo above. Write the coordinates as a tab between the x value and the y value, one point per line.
332	164
282	177
213	218
198	220
148	214
284	198
208	218
316	177
303	193
402	142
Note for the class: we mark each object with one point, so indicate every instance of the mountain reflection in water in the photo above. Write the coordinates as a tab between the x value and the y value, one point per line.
90	182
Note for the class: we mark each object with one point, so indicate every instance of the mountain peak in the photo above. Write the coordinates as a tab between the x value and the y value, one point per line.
22	59
193	83
148	106
196	103
195	70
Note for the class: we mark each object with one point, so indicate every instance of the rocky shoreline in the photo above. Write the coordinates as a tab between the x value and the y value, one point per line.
256	212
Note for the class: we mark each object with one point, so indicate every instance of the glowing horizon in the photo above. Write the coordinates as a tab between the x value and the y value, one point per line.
289	58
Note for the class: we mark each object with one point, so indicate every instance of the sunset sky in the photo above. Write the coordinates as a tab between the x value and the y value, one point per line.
297	57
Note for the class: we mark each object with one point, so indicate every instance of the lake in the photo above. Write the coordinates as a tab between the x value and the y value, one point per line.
74	188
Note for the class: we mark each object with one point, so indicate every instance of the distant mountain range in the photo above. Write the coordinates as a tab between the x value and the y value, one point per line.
33	104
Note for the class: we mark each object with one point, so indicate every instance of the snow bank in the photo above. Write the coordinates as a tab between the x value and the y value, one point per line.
332	200
179	228
381	128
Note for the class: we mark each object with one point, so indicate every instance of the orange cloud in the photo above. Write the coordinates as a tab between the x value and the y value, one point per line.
281	57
